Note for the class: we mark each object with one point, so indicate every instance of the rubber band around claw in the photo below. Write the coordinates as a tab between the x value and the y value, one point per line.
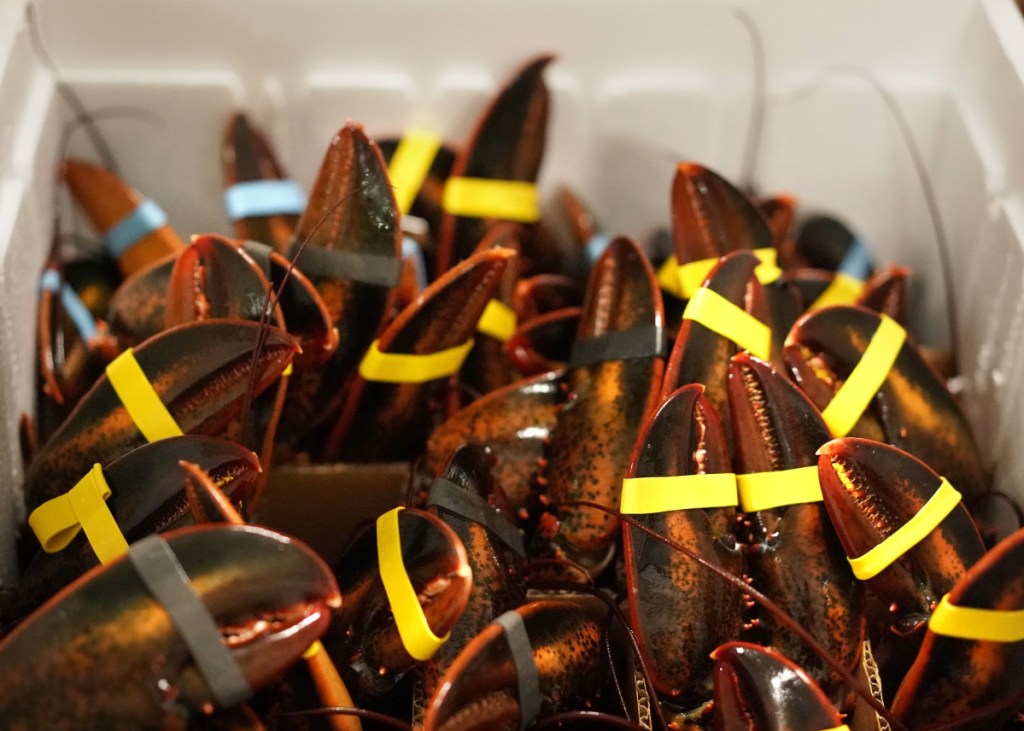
766	490
418	639
144	406
143	220
264	198
718	314
853	397
498	321
646	495
934	511
412	368
410	165
970	623
82	508
508	200
682	280
842	290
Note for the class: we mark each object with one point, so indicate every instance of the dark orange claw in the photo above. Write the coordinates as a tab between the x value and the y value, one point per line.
608	400
147	496
794	555
684	437
513	422
201	373
246	156
107	200
543	293
913	410
711	217
779	212
953	677
507	144
497	568
701	355
139	305
758	689
871	490
444	316
544	343
480	690
886	292
269	596
351	211
363	636
207	503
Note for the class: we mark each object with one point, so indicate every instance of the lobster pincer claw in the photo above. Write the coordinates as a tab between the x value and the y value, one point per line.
612	380
973	651
758	688
680	484
869	380
904	527
530	662
793	554
116	648
405	582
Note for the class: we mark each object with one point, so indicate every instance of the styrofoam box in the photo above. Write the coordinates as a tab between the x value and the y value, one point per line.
637	86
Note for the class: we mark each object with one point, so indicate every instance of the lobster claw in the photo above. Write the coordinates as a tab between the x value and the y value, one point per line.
110	651
461	497
682	447
613	386
560	654
758	688
793	554
366	633
967	665
910	409
871	490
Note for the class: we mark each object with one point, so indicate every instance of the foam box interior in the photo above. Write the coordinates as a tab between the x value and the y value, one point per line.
637	86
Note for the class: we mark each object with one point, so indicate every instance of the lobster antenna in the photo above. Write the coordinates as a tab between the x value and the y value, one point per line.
380	718
270	300
921	172
610	656
755	128
67	93
757	597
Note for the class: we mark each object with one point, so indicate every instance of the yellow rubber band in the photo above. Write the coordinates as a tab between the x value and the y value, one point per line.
908	535
842	290
844	727
56	522
140	400
417	637
313	650
644	495
509	200
412	368
765	490
498	321
968	623
683	280
867	377
716	313
287	371
410	165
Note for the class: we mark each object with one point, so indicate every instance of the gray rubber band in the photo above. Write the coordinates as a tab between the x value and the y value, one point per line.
384	271
469	505
636	342
167	581
526	670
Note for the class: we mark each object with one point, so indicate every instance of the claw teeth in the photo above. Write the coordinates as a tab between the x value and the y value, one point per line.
865	499
759	405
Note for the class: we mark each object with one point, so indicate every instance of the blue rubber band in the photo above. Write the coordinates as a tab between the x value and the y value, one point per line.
264	198
73	306
411	250
144	220
857	262
595	246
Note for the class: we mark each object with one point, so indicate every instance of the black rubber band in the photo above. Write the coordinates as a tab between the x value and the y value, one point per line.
167	581
636	342
384	271
467	504
527	677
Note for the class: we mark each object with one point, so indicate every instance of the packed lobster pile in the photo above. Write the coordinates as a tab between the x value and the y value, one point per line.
708	483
